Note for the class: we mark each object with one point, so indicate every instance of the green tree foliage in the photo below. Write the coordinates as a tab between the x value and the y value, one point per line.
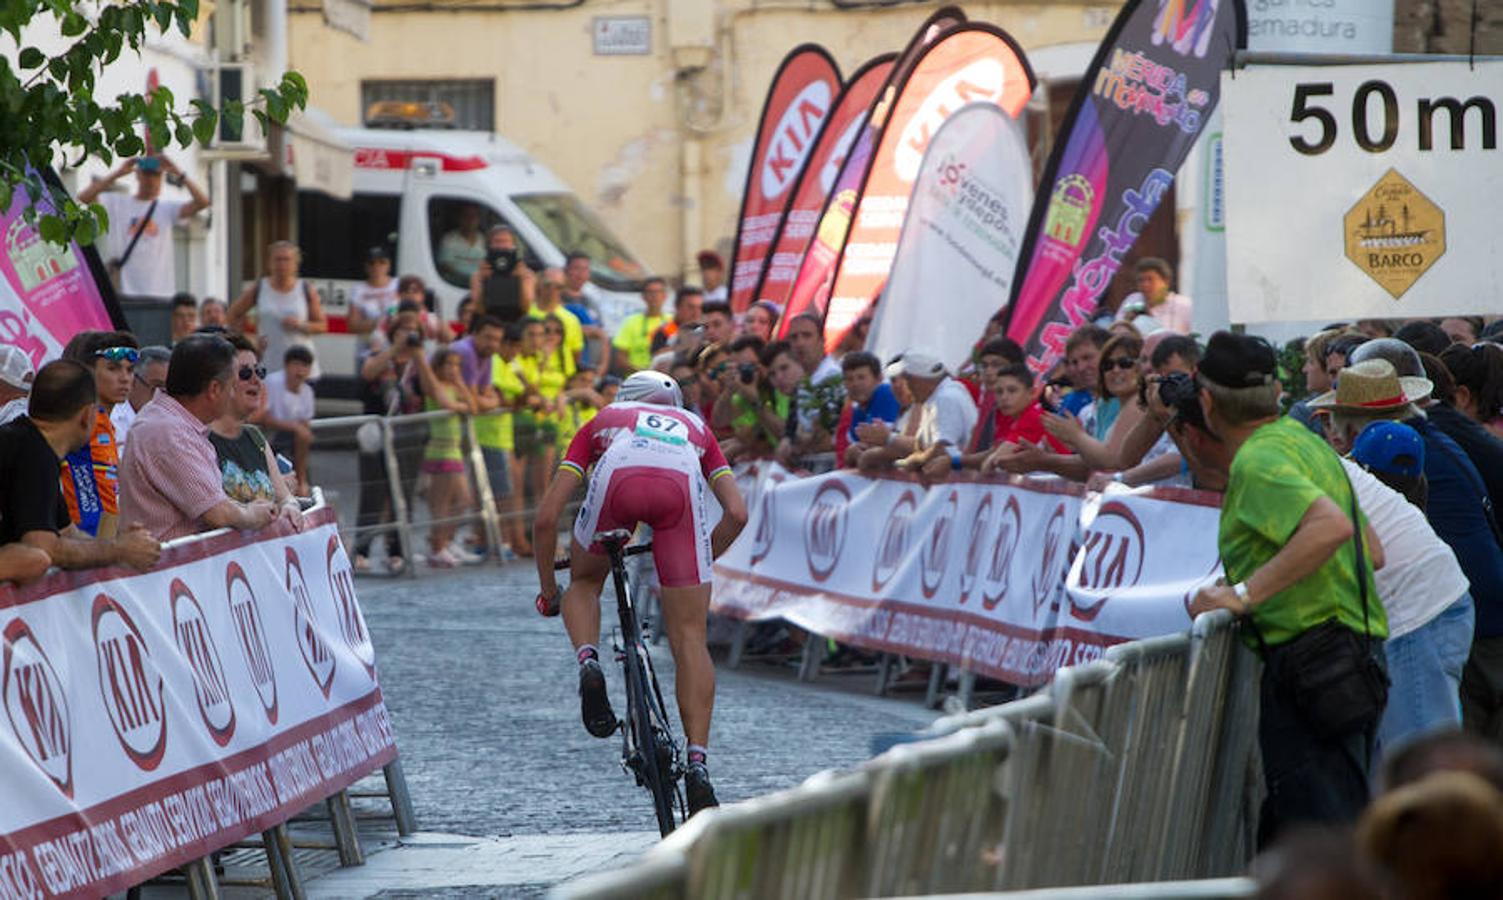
50	113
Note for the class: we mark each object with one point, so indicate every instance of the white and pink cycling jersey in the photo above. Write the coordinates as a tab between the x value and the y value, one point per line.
645	463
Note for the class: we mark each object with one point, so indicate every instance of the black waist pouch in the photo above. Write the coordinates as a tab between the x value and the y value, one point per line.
1335	681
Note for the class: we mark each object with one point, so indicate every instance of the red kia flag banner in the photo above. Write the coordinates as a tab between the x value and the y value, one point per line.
1139	109
811	283
802	94
974	63
840	130
152	718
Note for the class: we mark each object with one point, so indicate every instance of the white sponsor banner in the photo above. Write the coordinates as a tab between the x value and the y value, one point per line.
151	718
1009	578
960	237
1363	191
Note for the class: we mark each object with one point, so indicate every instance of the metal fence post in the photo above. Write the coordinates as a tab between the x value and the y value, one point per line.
285	878
484	496
400	514
346	833
401	800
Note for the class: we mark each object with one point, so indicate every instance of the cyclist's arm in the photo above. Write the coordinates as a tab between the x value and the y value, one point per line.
545	525
733	512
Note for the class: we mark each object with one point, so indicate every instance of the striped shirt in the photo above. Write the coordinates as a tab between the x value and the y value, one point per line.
169	476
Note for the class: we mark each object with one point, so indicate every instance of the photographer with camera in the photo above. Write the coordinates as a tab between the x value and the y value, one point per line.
503	286
755	413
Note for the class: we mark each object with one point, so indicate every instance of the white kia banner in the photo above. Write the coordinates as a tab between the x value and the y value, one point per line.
1008	578
960	237
1362	191
152	718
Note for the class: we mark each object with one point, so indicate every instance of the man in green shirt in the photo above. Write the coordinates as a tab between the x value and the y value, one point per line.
1291	561
633	342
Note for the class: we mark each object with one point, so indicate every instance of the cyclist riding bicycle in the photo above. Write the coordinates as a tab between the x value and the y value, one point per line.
645	460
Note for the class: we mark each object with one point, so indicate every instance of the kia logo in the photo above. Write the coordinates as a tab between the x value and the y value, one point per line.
766	521
1046	579
831	169
825	527
935	557
351	623
980	524
893	545
999	571
982	80
316	653
190	628
246	614
793	138
130	684
37	707
1110	558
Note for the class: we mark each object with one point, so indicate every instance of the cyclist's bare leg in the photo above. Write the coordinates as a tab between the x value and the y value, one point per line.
684	613
581	603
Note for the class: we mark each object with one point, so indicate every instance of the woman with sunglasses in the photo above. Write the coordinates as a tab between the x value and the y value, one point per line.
246	462
556	368
90	474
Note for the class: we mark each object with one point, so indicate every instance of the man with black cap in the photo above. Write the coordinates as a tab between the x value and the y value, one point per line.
1297	570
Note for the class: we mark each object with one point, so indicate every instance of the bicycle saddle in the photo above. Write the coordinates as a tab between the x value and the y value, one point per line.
616	537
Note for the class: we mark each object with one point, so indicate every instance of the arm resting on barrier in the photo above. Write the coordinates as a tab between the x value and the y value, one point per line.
1322	532
240	516
69	549
545	526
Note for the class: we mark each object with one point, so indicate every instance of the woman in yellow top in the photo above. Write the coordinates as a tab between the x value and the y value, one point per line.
555	369
534	429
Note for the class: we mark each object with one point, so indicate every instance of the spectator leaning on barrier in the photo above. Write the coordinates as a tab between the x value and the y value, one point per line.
633	341
992	357
389	380
1423	589
248	467
146	378
1082	361
90	474
444	388
16	374
290	406
1292	545
60	419
870	400
169	477
782	379
946	416
820	394
1459	509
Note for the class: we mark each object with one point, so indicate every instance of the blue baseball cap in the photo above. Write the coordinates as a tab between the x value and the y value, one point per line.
1391	448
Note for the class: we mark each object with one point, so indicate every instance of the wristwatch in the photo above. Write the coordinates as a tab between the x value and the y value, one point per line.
1240	589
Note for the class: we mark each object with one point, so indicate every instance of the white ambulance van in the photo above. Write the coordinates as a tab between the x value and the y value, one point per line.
412	187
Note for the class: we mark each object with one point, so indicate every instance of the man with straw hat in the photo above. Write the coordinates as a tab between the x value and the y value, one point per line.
1459	509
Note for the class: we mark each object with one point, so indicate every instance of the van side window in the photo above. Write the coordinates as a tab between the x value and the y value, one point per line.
335	235
458	228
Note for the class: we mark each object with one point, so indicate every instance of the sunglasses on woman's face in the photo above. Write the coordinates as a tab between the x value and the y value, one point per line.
119	354
1121	362
246	372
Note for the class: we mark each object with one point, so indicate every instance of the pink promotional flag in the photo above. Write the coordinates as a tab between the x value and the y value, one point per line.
811	285
971	63
803	92
49	292
841	128
1138	111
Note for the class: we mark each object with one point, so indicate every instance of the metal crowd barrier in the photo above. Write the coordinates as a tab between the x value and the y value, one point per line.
1133	770
200	876
405	524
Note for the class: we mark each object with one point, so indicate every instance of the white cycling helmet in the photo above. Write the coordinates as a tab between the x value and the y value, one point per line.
648	386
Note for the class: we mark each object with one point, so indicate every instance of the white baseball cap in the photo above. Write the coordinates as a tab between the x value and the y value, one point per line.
920	363
15	368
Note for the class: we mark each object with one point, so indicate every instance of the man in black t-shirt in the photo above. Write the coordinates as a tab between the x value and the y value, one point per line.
60	420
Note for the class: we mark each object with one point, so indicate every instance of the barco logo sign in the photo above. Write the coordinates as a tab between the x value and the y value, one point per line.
825	528
37	707
316	654
246	613
130	684
190	627
793	138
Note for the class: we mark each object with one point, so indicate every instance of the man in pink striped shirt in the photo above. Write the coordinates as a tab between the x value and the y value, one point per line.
169	476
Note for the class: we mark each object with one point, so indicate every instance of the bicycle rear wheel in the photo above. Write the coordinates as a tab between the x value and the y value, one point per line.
653	752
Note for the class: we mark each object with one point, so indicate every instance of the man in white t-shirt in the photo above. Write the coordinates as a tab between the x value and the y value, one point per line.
462	250
1155	300
946	415
289	409
147	269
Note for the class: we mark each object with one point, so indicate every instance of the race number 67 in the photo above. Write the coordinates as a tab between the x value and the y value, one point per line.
661	423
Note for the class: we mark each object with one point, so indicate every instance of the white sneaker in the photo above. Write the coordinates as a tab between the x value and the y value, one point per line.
464	555
443	559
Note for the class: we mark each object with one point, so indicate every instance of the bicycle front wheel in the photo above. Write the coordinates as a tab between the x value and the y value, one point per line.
653	753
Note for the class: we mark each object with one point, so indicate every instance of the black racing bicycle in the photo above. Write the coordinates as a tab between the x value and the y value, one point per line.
649	751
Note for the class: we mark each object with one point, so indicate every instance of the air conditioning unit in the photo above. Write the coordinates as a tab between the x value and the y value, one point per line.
229	82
